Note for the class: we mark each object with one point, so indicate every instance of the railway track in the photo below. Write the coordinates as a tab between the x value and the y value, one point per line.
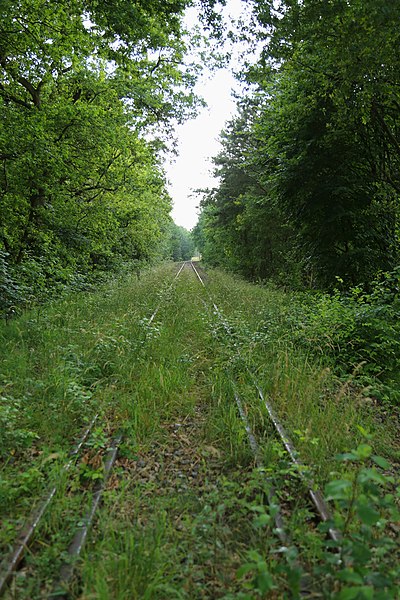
10	564
321	508
13	560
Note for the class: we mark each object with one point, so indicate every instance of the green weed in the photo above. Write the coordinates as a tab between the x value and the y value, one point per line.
185	513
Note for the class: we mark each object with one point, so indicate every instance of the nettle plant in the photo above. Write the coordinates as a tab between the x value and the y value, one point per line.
13	437
364	564
366	501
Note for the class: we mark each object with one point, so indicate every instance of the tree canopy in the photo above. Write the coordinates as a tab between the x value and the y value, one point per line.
316	183
87	91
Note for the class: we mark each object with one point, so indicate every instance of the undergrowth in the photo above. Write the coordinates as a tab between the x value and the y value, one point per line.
185	514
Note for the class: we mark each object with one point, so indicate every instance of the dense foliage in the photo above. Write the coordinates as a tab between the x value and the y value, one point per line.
355	333
84	87
180	244
309	170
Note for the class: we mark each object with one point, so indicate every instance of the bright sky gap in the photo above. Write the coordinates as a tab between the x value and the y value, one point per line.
198	138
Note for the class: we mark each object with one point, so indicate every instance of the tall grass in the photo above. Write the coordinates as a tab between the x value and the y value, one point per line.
180	512
323	413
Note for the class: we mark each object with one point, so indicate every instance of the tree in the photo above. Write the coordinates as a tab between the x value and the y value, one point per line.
81	82
325	137
180	244
334	127
241	227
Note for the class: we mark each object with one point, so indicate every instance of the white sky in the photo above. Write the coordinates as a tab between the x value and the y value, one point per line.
198	138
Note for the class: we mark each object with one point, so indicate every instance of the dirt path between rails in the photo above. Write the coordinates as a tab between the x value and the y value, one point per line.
181	477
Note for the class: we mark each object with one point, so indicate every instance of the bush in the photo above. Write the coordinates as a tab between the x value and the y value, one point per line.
362	564
13	438
10	293
357	333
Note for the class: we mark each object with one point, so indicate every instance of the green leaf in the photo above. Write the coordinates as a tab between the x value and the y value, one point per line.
367	514
381	462
349	576
355	592
339	489
364	451
262	521
258	508
373	475
364	432
244	569
253	555
264	582
346	456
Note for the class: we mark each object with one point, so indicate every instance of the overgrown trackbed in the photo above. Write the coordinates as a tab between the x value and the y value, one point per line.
201	491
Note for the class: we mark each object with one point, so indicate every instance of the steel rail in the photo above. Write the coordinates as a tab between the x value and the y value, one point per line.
60	590
315	493
279	523
316	496
218	312
153	316
11	563
250	435
280	526
280	529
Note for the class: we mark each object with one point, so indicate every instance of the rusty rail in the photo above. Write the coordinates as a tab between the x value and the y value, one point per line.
271	498
11	562
153	316
60	590
316	496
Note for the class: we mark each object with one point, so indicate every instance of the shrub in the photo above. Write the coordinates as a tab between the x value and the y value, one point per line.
10	292
356	331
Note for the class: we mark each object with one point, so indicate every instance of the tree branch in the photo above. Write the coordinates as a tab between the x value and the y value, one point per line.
8	96
386	128
64	130
158	63
30	88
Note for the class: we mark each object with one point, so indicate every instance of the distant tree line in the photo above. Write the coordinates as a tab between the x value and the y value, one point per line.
309	172
179	243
